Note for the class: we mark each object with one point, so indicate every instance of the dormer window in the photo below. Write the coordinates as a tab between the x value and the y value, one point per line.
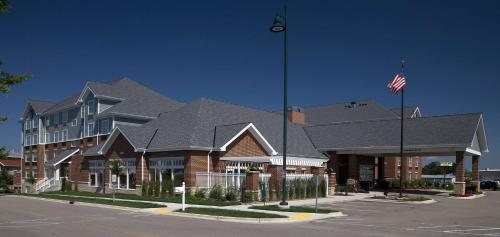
27	124
91	107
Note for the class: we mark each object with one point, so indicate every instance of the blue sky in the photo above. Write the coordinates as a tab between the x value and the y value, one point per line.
338	51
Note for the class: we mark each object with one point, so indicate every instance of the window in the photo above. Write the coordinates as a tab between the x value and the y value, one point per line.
126	179
399	161
82	110
416	162
34	156
105	126
64	117
47	137
56	136
410	162
35	139
91	107
166	169
47	121
74	122
28	141
27	124
90	129
64	135
35	122
46	156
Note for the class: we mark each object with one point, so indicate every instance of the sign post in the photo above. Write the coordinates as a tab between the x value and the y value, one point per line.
113	185
182	190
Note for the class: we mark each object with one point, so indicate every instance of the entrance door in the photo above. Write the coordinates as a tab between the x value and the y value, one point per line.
366	176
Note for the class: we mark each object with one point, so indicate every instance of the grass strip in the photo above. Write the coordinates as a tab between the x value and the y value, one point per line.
230	213
175	199
98	201
292	209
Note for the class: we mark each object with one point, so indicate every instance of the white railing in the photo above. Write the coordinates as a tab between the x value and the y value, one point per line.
224	180
292	177
47	185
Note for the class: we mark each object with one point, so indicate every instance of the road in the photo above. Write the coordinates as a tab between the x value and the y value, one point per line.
480	217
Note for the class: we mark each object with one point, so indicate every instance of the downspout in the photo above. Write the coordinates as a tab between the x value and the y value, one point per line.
208	167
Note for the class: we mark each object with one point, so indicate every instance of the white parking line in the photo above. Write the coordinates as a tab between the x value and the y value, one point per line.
437	226
469	230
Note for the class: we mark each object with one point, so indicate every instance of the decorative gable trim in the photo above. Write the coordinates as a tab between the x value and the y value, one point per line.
257	135
112	137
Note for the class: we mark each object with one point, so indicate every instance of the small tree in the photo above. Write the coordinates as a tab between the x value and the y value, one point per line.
145	186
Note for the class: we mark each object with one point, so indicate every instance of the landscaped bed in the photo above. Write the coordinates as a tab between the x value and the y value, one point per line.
97	201
292	209
410	198
175	199
229	213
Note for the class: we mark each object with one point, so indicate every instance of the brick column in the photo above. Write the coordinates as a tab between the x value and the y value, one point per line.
404	163
459	174
332	183
352	167
252	186
475	173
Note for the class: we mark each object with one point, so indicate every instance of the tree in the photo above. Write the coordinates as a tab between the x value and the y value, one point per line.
6	79
116	169
434	168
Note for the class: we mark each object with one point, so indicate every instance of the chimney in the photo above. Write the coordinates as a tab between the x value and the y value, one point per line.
296	115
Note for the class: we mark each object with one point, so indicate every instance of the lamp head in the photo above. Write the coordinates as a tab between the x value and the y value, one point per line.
277	25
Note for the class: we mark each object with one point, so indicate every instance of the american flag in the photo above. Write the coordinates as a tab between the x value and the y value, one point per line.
397	83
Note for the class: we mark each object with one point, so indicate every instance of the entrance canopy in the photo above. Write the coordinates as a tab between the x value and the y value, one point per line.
58	159
427	136
278	160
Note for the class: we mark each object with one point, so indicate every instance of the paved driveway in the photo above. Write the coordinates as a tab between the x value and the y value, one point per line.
480	217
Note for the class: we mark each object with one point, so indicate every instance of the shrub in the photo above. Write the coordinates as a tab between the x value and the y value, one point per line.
163	193
144	188
231	194
76	187
249	197
157	188
200	193
215	192
322	188
63	185
151	189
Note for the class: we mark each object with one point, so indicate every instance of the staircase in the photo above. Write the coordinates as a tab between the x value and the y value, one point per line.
47	185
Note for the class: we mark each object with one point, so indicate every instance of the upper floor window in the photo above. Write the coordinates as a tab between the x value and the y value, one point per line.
35	122
104	126
410	162
91	107
82	110
46	156
64	116
35	139
56	136
28	140
90	129
74	122
47	121
64	135
34	156
47	137
399	161
27	124
416	162
56	118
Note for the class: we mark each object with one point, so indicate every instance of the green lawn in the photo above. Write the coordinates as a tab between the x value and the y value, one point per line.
176	199
97	201
230	213
292	209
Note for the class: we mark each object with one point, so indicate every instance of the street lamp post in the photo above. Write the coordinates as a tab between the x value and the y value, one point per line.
278	26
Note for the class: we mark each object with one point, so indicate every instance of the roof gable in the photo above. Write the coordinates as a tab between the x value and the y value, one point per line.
248	128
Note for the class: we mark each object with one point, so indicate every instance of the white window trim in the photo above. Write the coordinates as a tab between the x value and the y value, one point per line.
74	122
35	143
88	131
28	140
62	135
88	107
54	138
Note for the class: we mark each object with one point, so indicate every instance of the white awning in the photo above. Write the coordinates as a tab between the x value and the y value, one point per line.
278	160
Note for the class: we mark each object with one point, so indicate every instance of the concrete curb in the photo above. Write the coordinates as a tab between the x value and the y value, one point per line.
401	202
84	204
257	220
468	198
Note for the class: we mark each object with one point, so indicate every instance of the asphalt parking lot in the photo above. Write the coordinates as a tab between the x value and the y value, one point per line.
480	217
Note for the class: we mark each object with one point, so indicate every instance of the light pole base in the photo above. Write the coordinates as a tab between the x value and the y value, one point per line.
284	205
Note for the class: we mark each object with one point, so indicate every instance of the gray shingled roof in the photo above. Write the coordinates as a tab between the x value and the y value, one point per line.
361	110
66	103
139	100
40	106
193	127
452	130
223	133
407	111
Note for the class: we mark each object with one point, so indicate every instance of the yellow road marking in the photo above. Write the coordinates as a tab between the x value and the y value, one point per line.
301	216
161	211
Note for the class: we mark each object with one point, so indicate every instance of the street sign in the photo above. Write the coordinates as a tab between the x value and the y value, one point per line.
446	164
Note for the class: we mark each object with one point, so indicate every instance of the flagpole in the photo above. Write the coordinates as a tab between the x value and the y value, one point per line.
401	147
